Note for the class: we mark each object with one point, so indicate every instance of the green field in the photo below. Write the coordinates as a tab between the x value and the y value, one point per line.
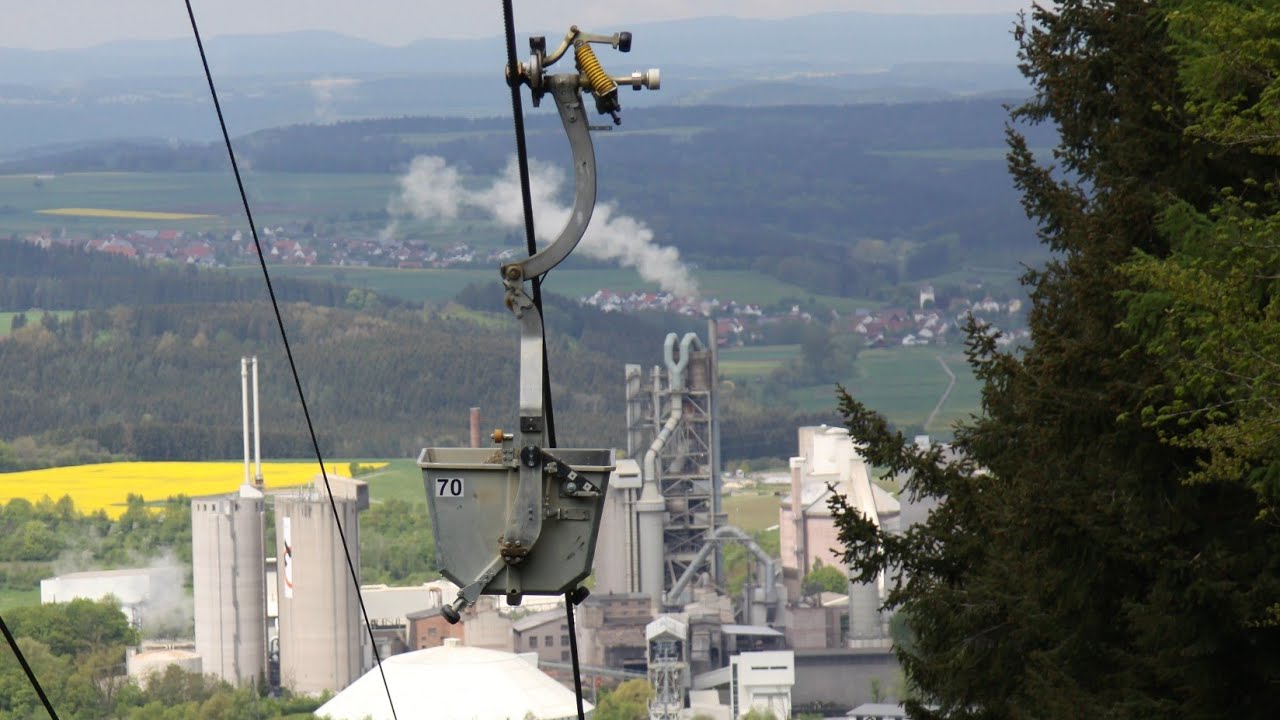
400	480
274	198
6	318
755	361
438	285
904	385
752	512
10	598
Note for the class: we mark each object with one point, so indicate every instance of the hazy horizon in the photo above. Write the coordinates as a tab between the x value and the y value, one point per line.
75	24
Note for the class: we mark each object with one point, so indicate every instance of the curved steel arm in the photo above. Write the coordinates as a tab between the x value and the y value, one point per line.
568	96
619	41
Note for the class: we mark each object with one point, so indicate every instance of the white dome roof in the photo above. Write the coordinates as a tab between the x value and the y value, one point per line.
454	682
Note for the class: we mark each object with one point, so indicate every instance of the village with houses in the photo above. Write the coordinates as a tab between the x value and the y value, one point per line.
937	319
740	324
281	245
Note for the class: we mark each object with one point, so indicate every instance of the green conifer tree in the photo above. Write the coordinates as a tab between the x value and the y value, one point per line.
1072	570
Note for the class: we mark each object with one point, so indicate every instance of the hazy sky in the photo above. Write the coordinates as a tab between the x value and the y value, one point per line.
48	24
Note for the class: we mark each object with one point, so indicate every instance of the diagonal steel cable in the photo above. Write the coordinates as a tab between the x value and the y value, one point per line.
284	337
26	668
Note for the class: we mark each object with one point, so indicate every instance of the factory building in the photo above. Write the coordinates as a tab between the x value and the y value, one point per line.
762	681
663	507
807	532
611	630
139	590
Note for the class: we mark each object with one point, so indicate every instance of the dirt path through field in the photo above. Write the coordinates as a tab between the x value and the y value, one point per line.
945	394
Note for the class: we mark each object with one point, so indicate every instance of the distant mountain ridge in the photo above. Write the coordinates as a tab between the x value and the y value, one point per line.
855	41
155	88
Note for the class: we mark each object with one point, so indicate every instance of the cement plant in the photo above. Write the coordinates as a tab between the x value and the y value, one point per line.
288	615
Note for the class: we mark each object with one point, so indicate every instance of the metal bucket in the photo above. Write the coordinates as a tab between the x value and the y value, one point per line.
469	493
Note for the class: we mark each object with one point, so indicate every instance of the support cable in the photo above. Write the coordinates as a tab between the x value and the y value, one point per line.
573	653
31	675
284	337
522	163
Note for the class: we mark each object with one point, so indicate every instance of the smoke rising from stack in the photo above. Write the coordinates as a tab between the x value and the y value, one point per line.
432	190
169	611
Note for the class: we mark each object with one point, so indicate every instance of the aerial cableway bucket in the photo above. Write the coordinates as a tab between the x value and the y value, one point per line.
470	491
521	518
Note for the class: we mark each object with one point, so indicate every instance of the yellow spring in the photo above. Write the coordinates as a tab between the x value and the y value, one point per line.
601	83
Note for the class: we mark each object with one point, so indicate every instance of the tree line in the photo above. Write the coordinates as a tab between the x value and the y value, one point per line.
150	369
77	652
59	277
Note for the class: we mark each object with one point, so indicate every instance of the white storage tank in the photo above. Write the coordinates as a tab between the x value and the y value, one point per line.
322	635
229	583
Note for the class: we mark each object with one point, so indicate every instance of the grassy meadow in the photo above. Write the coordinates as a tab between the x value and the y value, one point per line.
6	318
191	200
904	385
753	512
439	285
755	361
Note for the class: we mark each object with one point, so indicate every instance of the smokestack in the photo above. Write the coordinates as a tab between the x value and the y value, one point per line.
475	427
257	431
244	412
797	516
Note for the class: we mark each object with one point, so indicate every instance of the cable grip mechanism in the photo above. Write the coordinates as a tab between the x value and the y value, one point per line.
522	520
591	74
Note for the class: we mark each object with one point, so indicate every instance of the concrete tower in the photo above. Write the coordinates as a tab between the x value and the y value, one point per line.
229	569
229	577
322	642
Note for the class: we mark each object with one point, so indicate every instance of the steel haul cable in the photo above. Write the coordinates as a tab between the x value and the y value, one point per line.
522	162
284	337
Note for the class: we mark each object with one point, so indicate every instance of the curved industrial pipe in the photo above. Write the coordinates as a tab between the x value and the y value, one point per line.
651	503
729	532
675	382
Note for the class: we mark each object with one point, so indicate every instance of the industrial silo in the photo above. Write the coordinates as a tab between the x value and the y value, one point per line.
321	630
229	578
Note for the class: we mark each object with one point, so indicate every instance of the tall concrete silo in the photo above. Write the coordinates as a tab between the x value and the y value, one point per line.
228	578
321	629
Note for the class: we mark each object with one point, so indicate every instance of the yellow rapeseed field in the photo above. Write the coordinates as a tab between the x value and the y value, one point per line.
128	214
106	486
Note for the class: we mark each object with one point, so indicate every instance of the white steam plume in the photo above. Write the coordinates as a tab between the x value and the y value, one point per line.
327	90
169	611
433	190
